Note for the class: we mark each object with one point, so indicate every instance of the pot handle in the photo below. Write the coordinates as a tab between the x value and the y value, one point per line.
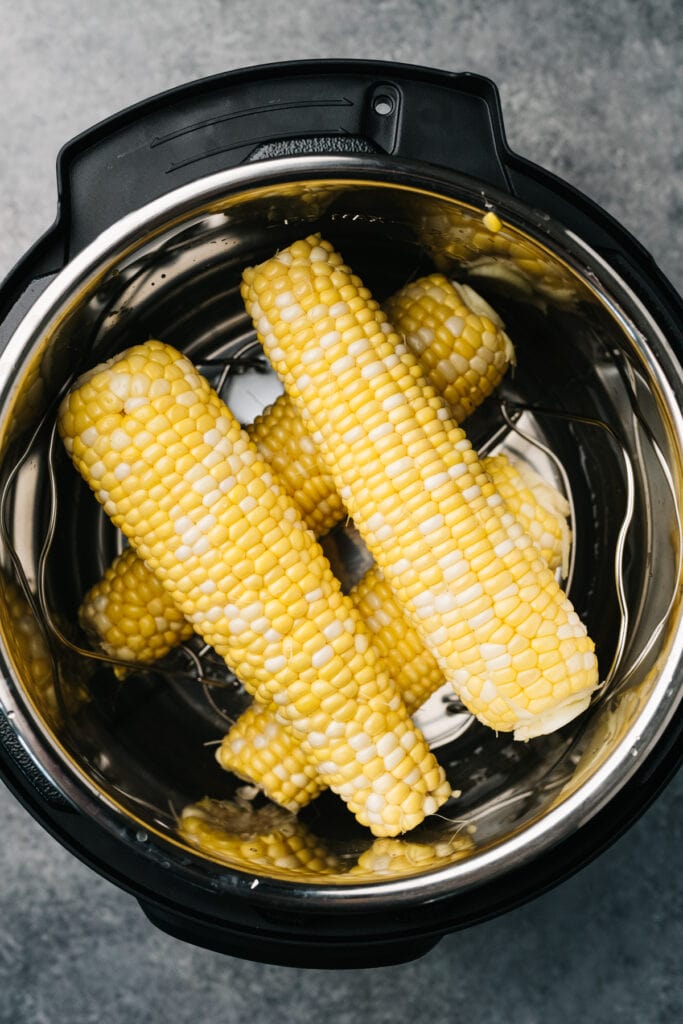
297	108
331	107
291	946
292	109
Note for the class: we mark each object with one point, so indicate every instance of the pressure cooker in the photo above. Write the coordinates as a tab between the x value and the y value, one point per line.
405	170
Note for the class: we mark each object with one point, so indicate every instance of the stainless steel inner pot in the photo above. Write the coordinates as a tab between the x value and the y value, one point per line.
593	404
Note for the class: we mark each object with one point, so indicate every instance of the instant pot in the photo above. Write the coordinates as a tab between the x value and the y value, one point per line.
405	170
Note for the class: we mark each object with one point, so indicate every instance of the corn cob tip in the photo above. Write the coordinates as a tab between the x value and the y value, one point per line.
554	718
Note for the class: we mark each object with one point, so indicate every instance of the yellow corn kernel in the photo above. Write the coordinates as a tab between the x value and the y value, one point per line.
388	476
492	221
216	587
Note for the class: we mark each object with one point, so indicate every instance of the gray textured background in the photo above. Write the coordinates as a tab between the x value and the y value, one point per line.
593	92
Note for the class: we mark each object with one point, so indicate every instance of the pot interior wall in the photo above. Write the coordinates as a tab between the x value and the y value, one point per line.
146	742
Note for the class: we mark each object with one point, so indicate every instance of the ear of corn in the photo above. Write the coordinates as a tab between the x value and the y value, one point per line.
407	659
491	612
393	858
458	338
130	613
247	838
285	444
266	753
463	349
537	506
180	478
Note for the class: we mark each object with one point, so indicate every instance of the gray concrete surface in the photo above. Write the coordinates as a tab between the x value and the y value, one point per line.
592	91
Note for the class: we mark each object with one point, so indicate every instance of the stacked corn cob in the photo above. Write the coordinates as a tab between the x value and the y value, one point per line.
433	311
181	479
130	613
269	837
483	601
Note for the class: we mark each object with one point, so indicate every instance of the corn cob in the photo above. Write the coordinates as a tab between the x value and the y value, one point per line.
180	478
396	858
285	444
464	350
458	338
536	505
268	837
264	752
130	613
491	612
407	659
